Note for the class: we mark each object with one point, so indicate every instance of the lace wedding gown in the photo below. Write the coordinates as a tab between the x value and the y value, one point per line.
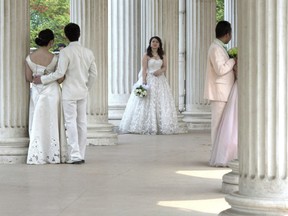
225	146
46	124
155	113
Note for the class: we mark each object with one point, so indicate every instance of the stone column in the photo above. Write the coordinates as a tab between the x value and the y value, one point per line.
200	32
160	17
263	117
14	90
231	180
124	54
92	17
182	65
230	15
182	53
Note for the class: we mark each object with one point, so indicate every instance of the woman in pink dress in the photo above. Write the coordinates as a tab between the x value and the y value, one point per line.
226	143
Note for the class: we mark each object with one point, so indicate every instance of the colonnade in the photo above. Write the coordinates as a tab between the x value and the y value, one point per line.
118	33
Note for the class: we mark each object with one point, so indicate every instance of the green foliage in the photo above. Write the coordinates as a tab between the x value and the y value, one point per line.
52	14
219	10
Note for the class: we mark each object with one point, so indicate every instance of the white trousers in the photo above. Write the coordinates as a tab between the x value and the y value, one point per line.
217	109
76	128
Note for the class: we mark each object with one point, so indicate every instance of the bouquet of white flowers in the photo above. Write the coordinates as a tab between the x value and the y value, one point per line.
141	90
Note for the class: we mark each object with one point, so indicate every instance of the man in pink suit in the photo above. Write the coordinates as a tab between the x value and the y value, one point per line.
219	75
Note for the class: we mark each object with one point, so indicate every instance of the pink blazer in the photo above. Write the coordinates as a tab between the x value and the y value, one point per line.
219	73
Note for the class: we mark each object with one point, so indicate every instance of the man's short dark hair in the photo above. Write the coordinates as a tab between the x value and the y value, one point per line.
222	28
72	31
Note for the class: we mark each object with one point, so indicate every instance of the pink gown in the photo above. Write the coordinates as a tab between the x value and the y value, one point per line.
225	147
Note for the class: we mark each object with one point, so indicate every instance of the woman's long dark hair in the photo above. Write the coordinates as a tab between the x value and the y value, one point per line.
160	50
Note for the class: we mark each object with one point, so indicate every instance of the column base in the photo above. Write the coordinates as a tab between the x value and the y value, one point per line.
13	150
197	120
101	134
230	181
255	206
183	128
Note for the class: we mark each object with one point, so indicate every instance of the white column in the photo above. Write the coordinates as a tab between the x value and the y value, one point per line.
92	17
151	21
161	18
263	105
230	15
124	54
182	65
14	90
231	180
182	53
200	32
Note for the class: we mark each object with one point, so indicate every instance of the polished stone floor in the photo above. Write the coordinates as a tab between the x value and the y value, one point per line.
140	176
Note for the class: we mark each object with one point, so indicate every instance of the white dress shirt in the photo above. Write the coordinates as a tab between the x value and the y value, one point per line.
78	65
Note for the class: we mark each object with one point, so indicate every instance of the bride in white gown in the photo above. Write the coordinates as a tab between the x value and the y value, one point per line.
46	125
155	113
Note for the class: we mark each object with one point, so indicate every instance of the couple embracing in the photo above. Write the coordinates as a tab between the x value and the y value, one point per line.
57	116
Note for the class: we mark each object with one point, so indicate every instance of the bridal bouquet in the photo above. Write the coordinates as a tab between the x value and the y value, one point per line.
141	90
233	52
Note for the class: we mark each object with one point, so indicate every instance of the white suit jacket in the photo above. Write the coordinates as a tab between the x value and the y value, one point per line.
77	63
219	73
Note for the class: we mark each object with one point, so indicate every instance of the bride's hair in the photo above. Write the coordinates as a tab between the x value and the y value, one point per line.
160	50
44	37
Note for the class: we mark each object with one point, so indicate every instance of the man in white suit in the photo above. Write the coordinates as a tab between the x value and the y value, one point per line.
219	75
77	64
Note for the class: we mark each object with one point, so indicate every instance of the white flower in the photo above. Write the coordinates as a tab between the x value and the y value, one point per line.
141	91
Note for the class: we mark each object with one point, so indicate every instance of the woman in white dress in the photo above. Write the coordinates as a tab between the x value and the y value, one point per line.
155	113
46	127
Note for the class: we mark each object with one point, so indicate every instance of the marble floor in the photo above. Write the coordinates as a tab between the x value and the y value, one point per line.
140	176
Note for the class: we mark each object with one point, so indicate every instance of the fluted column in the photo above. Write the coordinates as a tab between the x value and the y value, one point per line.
182	53
92	17
124	54
161	18
230	15
200	32
263	117
151	21
231	179
182	65
14	90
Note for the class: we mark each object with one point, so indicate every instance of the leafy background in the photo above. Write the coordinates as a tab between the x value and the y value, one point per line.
219	10
52	14
55	14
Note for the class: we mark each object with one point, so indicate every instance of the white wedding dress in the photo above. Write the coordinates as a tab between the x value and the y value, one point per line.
46	125
226	143
154	114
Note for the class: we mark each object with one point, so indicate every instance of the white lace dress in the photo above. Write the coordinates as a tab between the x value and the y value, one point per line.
46	125
155	113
